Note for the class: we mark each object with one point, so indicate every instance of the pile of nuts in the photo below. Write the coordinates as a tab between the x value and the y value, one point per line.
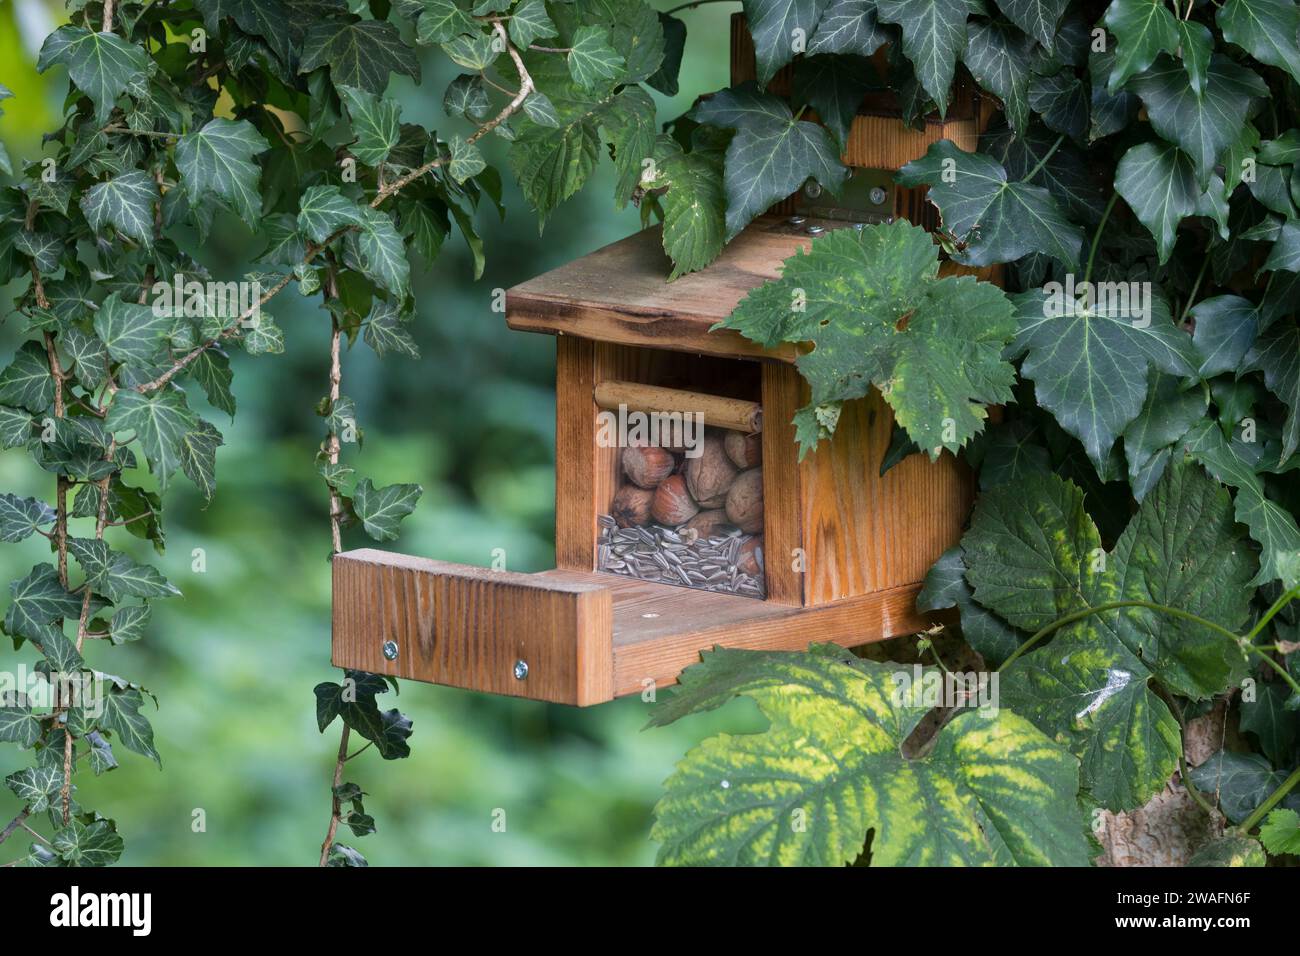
695	521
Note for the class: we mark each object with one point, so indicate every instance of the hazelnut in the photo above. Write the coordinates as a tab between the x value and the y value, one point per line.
673	504
749	559
709	475
631	506
646	467
706	524
745	451
745	501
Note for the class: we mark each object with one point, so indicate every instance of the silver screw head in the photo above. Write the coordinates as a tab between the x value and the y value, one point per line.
390	650
877	195
812	189
521	669
816	230
796	220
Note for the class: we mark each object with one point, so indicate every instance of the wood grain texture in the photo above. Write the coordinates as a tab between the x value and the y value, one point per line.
863	532
578	488
720	412
782	498
466	627
659	629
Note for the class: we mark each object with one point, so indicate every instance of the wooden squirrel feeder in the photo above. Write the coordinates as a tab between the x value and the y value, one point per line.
790	552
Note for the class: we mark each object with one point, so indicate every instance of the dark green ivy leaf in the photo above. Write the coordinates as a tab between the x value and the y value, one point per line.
360	53
380	510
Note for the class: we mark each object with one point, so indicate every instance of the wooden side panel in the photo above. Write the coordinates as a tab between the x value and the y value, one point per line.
577	488
782	499
467	627
864	533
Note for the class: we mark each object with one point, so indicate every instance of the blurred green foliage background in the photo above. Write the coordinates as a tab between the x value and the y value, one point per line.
234	661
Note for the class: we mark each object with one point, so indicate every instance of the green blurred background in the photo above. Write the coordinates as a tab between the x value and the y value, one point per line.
234	661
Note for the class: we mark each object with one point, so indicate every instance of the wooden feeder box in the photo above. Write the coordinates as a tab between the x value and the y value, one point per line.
843	549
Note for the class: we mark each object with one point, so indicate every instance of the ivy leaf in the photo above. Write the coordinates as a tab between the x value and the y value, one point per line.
1241	781
1033	556
44	249
1277	355
38	600
375	248
1195	46
1271	525
386	332
998	220
1168	411
993	790
1038	18
1226	327
88	844
1062	101
117	575
198	456
128	623
934	36
342	855
1158	181
15	426
441	20
1280	832
375	122
18	725
467	97
530	23
1062	168
1202	124
998	56
476	52
360	53
1122	338
1266	29
323	210
592	59
834	86
122	716
772	24
848	26
20	517
211	369
1275	727
101	65
466	160
26	381
381	510
872	304
132	334
1144	29
217	162
125	202
160	420
37	788
772	153
100	753
945	587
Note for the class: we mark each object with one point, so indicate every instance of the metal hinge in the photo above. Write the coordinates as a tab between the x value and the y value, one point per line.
867	195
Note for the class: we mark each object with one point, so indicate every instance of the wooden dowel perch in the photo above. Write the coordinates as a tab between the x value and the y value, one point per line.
733	413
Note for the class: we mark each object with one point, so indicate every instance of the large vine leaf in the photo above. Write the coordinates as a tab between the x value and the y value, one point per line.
101	65
1033	556
1091	364
829	770
773	25
772	153
360	53
1158	181
996	220
934	36
1271	526
872	304
1203	124
217	162
125	202
1267	29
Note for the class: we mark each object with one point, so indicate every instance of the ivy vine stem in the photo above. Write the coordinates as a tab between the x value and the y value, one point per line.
1096	236
1274	798
1043	162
